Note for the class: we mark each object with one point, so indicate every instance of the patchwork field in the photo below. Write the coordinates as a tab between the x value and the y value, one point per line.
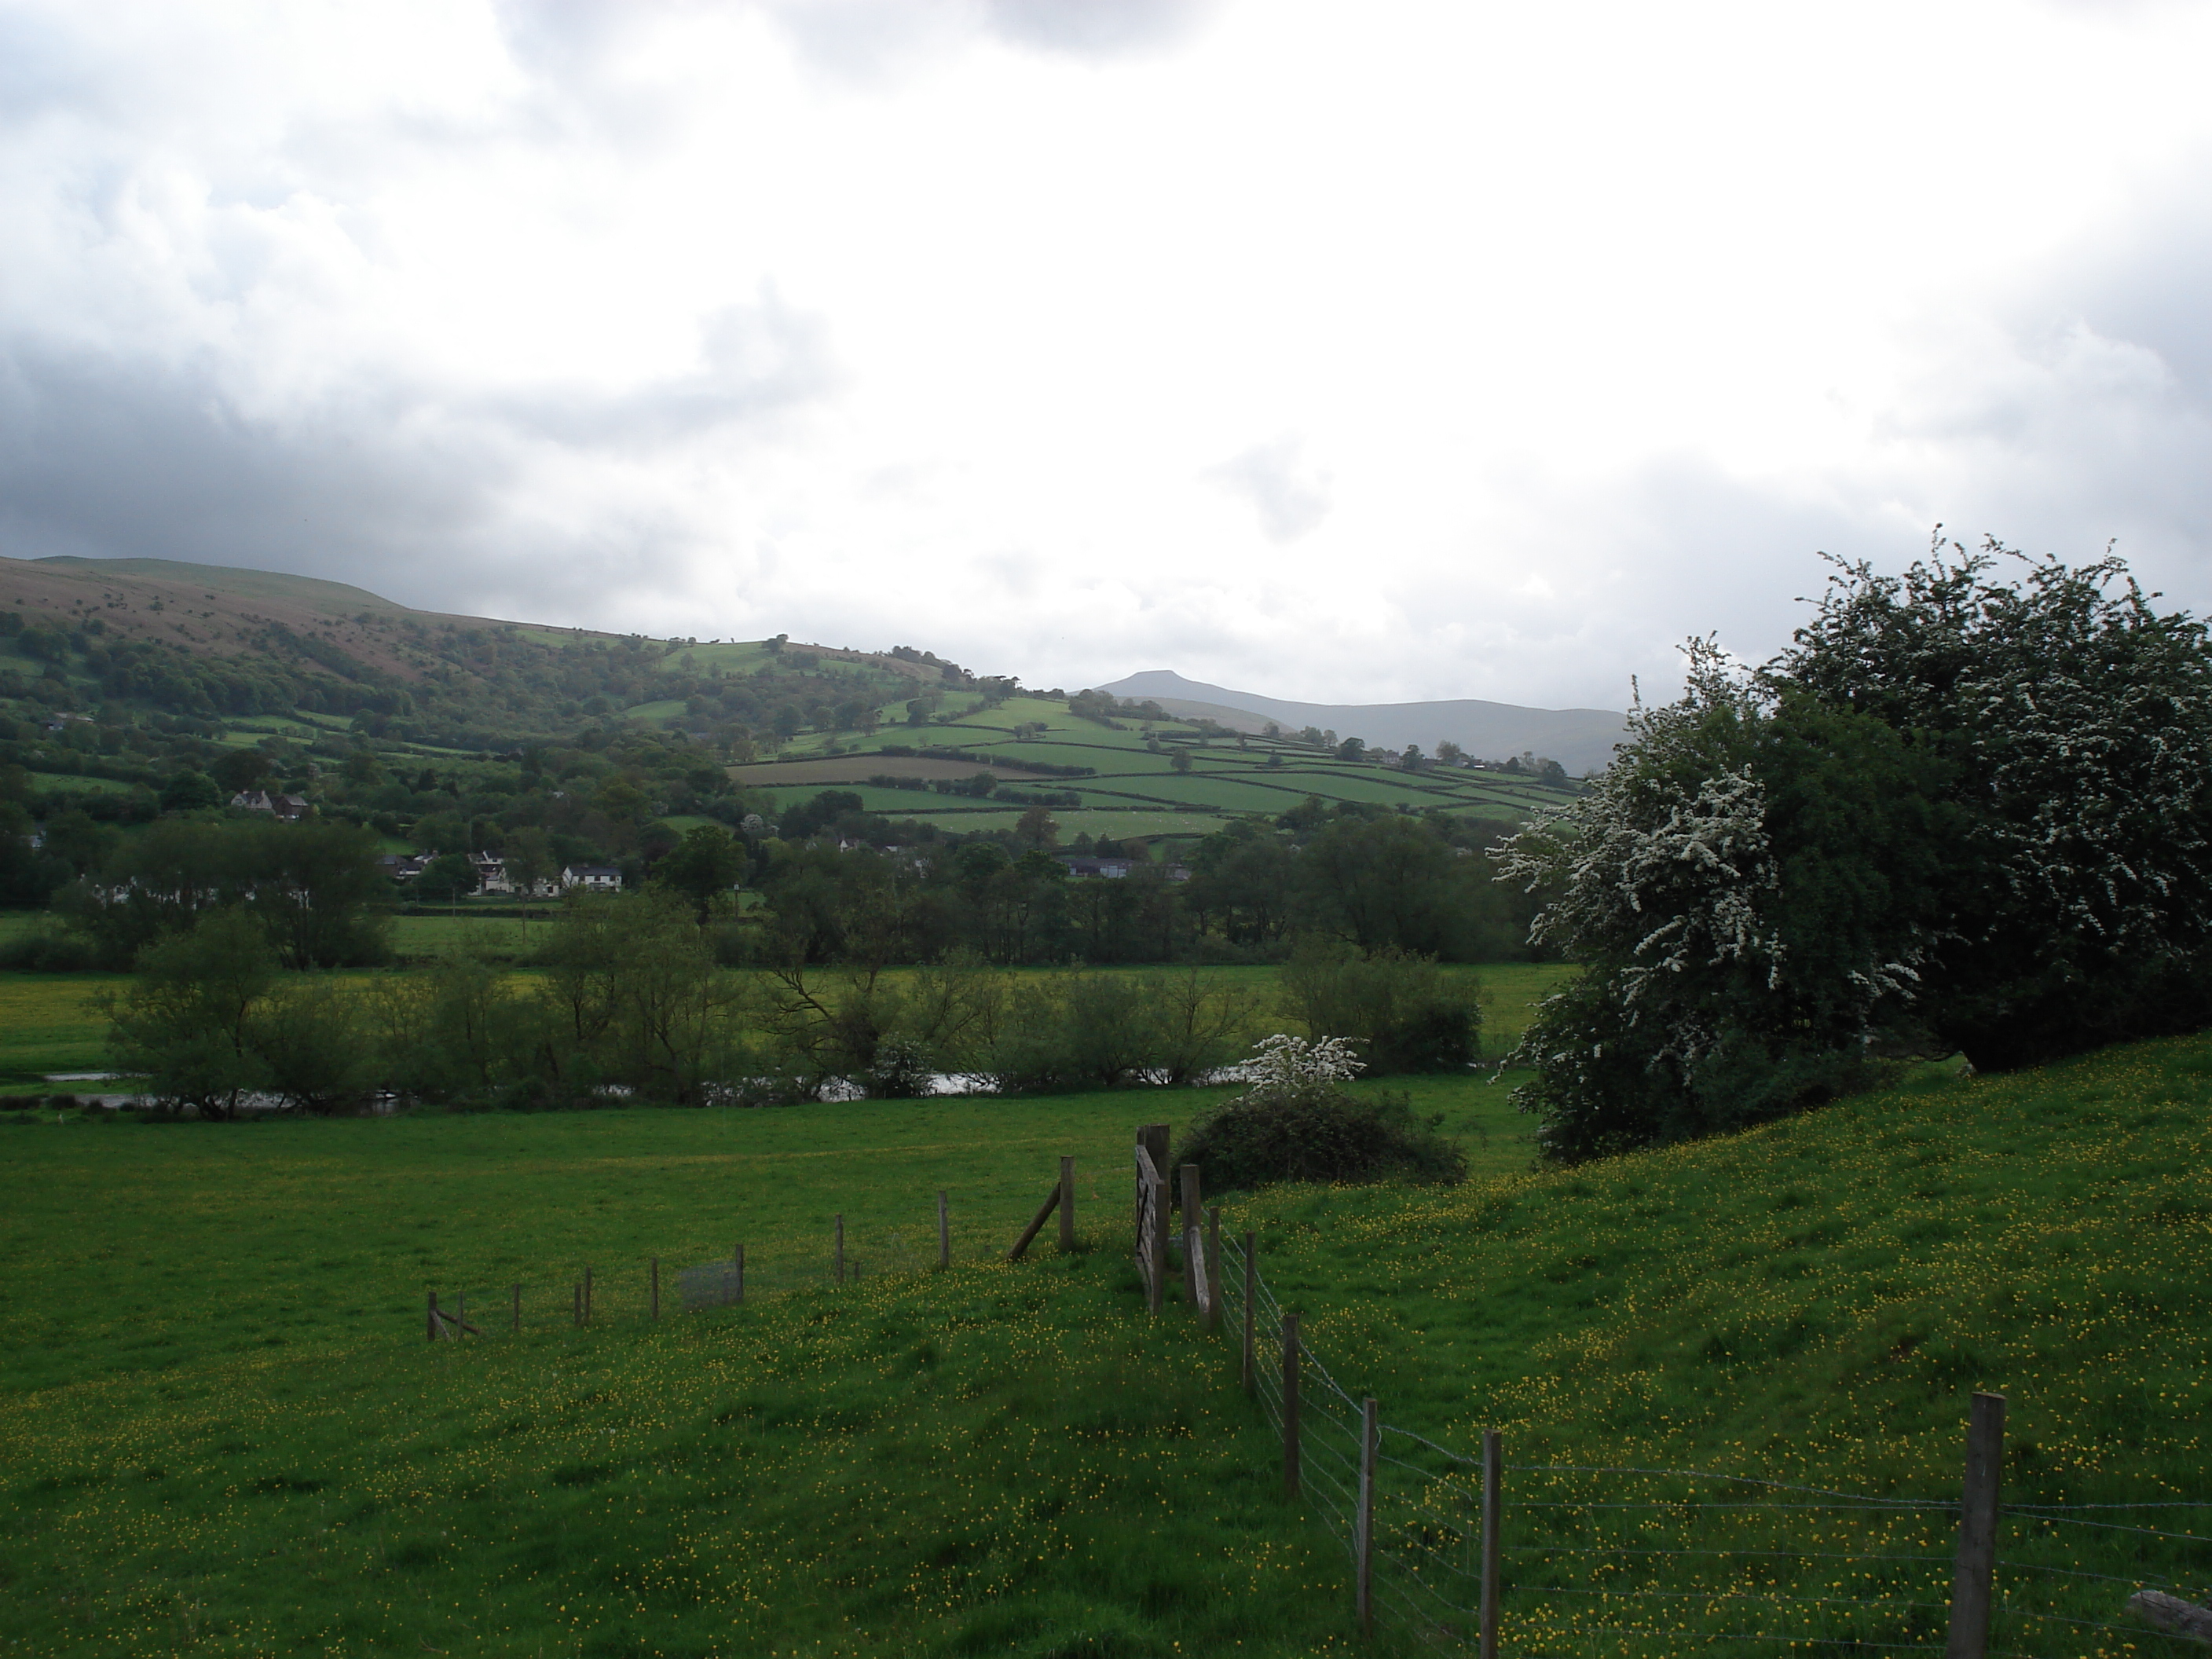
1135	769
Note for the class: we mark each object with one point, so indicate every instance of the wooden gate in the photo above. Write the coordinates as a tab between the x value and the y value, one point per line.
1152	1204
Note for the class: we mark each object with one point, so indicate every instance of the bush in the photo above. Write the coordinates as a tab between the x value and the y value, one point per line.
47	950
1962	814
1295	1123
1112	1031
1395	1006
901	1070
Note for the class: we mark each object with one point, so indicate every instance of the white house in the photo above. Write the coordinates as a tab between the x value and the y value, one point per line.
591	878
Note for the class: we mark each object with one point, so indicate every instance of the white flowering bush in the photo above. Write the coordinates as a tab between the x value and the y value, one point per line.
1284	1064
1295	1122
1960	814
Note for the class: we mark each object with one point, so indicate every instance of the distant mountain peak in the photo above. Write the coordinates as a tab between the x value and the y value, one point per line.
1580	739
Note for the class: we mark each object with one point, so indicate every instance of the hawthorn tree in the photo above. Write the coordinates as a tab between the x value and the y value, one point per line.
1960	814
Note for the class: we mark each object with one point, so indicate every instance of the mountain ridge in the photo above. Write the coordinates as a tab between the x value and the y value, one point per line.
1580	739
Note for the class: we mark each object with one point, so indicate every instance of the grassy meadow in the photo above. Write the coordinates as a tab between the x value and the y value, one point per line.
225	1433
222	1433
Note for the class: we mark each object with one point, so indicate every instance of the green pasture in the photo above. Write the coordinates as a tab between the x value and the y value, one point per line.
48	1024
222	1432
79	783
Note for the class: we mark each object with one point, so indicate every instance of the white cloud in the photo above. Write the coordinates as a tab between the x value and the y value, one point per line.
932	320
1288	492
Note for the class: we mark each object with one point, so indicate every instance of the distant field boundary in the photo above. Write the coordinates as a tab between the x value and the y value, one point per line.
860	767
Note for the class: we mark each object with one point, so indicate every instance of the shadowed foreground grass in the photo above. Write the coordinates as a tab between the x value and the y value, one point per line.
223	1433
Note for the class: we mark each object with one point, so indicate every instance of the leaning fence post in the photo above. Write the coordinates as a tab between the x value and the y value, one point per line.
1290	1404
1251	1277
1066	1204
1363	1529
1191	1236
1493	1473
840	1248
517	1326
1977	1530
944	1233
431	1318
1213	1270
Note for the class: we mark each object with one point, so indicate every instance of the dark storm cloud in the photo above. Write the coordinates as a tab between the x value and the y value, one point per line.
427	492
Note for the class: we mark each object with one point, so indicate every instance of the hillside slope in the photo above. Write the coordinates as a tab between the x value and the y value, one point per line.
1813	1304
212	642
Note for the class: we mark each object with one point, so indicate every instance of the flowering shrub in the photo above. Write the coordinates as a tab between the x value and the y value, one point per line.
1295	1123
1959	814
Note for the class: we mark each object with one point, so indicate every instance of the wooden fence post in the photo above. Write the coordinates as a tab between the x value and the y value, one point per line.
1969	1635
944	1234
1036	1224
1154	1138
1213	1270
1493	1477
840	1248
587	1296
1066	1204
741	1275
1290	1404
431	1318
656	1287
1190	1235
516	1327
1251	1284
1363	1526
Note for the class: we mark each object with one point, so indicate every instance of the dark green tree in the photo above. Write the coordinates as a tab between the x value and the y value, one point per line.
189	791
187	1023
703	867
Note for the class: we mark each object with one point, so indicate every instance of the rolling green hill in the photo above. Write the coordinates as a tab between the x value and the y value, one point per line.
117	674
1029	743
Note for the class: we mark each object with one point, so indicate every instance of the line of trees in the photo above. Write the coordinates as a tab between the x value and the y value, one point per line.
630	1003
842	885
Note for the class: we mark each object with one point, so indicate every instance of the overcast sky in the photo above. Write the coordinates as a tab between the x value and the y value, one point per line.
1349	352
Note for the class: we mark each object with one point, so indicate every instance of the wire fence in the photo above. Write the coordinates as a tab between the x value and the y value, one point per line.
1623	1560
847	1253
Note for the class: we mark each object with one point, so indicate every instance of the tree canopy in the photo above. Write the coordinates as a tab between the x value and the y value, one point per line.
1968	810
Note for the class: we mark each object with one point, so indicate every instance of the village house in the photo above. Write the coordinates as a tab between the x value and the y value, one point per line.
288	808
591	878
